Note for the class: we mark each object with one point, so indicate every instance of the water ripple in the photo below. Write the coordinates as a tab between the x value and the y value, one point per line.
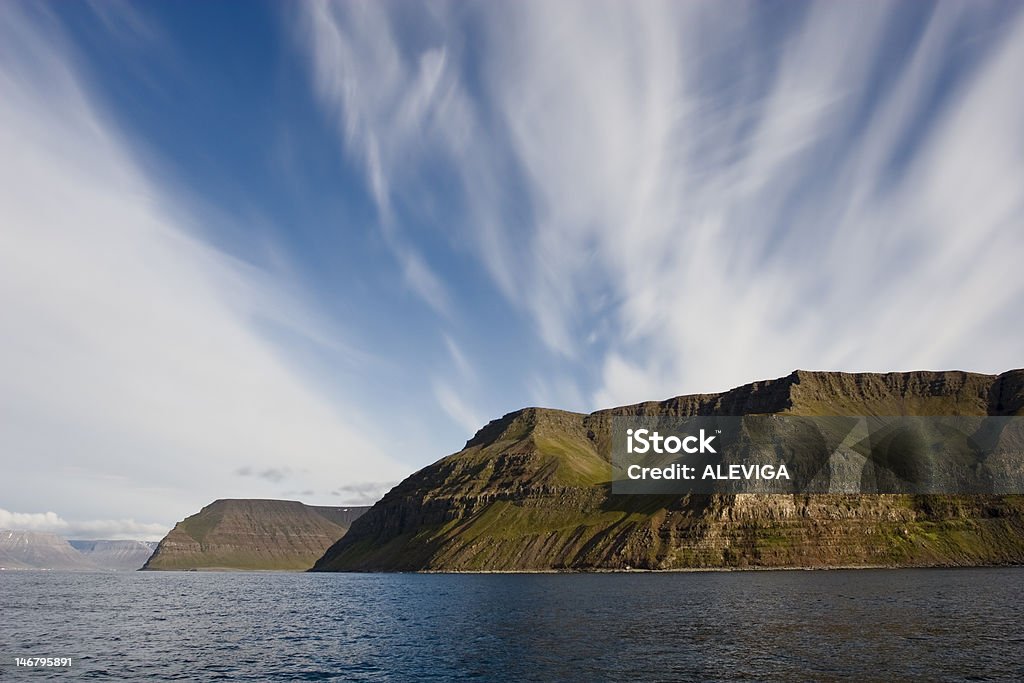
735	626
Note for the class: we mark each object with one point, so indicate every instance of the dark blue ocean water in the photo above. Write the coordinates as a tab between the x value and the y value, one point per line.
735	626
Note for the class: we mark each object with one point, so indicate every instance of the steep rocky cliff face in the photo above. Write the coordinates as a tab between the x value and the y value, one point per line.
253	534
530	491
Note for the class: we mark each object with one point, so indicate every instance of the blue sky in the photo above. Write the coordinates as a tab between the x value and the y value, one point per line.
303	249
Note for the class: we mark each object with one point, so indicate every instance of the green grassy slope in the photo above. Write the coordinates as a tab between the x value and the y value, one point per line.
531	492
252	534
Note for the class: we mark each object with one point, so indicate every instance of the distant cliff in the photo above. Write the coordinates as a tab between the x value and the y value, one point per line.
122	556
38	550
530	491
253	534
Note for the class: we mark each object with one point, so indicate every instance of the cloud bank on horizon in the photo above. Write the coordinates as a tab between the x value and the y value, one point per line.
105	529
319	255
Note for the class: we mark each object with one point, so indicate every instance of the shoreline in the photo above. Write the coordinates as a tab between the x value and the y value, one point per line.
565	572
687	570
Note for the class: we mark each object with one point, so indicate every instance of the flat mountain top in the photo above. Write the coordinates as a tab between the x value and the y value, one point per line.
530	491
253	534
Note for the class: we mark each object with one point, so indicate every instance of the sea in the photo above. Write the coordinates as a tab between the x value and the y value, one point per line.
865	625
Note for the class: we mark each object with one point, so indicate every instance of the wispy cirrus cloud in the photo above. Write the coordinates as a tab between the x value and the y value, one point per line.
685	199
380	118
133	358
605	202
458	407
455	390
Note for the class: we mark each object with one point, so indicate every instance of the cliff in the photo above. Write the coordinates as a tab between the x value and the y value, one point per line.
530	491
121	556
38	550
253	534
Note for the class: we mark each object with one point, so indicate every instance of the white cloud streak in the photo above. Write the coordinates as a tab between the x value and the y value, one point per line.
458	408
713	200
132	374
380	117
